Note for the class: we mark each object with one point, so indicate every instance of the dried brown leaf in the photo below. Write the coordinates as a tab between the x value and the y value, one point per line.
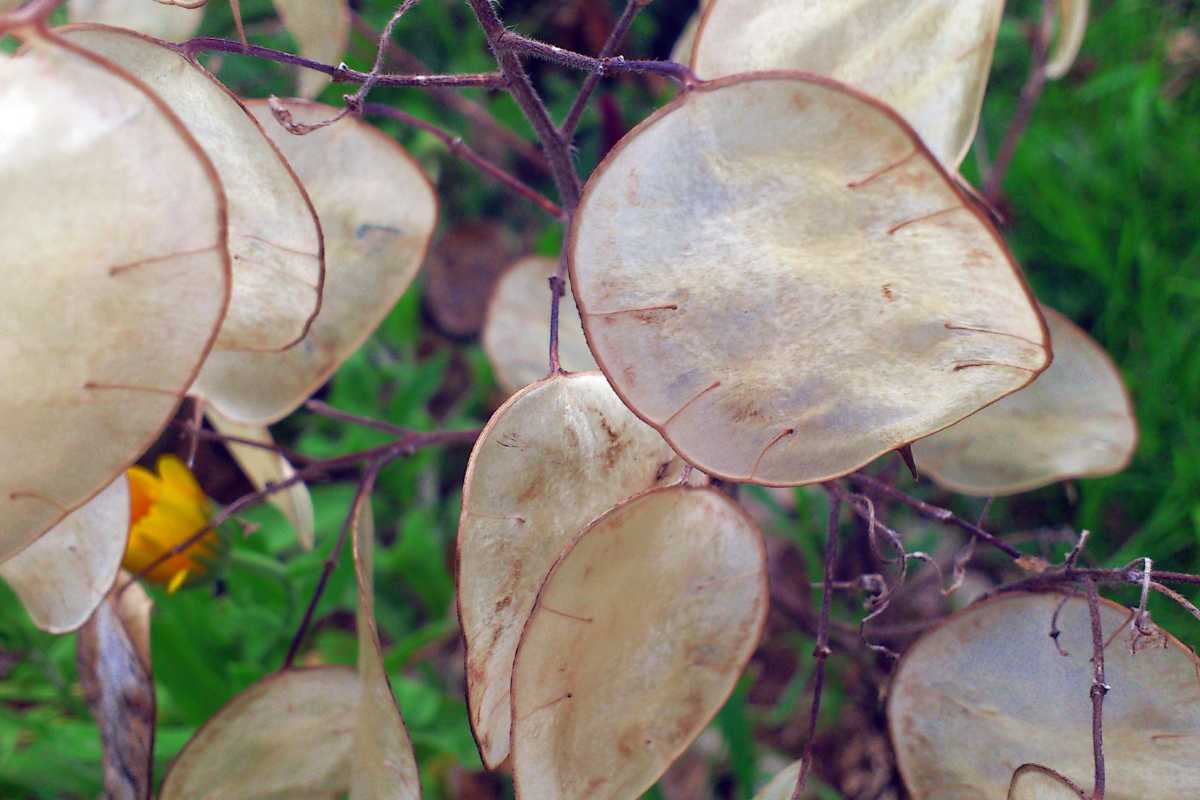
113	654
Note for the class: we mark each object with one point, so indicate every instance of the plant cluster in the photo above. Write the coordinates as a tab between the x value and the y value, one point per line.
777	279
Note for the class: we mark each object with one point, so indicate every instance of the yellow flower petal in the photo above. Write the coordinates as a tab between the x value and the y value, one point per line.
168	509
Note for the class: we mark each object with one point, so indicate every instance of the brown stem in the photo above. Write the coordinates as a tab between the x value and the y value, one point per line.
821	651
1030	93
340	73
1098	690
521	88
365	484
615	37
461	149
597	66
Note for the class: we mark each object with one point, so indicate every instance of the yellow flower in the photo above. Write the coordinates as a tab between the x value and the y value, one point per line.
166	509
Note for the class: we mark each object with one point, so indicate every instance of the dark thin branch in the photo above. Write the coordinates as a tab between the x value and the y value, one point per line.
365	484
328	411
1098	690
339	73
461	149
935	512
514	42
1030	93
385	453
519	85
615	37
472	111
558	287
821	651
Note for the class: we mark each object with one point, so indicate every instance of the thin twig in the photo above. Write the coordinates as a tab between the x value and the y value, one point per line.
340	73
1098	690
615	37
461	149
514	42
935	512
468	108
821	651
365	484
329	412
1030	93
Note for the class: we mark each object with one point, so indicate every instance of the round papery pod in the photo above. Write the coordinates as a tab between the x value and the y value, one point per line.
783	784
928	59
988	691
637	638
516	332
553	458
322	31
1035	782
682	51
65	574
1076	420
173	23
289	735
274	238
1072	25
115	281
378	211
775	273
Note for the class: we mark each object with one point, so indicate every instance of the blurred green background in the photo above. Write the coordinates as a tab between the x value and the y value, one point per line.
1102	197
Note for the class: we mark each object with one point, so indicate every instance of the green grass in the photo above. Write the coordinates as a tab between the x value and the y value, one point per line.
1103	199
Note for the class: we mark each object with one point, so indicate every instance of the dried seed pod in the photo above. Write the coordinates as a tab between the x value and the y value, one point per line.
637	638
274	237
553	458
1035	782
169	22
989	690
65	574
1076	420
517	328
928	59
289	735
775	273
112	210
322	31
378	211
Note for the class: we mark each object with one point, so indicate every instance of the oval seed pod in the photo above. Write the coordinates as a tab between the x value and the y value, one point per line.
517	329
111	210
322	31
378	211
63	576
775	273
553	458
289	735
988	690
172	23
783	784
636	640
274	237
928	59
1076	420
